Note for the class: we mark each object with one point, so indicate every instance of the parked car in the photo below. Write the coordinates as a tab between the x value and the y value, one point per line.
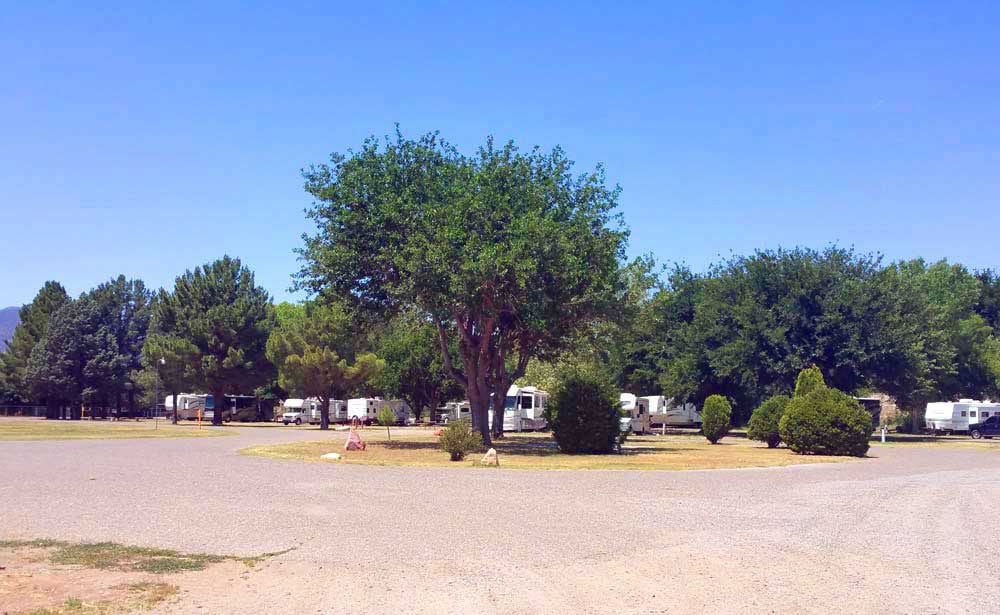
987	429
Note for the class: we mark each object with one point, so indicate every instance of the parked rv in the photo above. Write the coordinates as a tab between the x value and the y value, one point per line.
951	416
452	411
192	405
524	409
338	411
300	411
638	413
664	413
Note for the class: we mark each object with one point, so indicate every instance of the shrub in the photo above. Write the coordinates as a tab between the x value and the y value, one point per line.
826	421
763	424
808	381
715	417
586	415
458	439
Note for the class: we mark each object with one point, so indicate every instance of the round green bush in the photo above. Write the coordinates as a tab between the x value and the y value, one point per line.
715	417
458	439
585	415
808	381
826	422
763	424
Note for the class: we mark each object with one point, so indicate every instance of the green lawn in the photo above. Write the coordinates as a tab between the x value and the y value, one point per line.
40	429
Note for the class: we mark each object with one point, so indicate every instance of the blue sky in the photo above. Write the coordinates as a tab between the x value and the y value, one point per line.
148	140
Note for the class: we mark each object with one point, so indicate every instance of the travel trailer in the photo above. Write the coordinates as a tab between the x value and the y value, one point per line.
404	414
524	409
300	411
364	409
663	413
958	416
638	410
338	411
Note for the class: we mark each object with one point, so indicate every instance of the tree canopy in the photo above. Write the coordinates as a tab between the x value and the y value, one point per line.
507	252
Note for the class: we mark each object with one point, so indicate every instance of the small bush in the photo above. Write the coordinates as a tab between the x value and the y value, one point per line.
386	417
827	422
715	417
763	424
586	415
458	439
808	381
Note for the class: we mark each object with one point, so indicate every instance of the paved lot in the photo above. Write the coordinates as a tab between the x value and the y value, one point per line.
914	530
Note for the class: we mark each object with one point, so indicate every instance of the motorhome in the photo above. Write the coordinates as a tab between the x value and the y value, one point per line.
240	407
523	409
663	412
638	409
452	411
958	416
300	411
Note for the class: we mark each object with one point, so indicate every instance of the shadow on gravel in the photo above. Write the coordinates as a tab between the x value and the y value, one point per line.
535	447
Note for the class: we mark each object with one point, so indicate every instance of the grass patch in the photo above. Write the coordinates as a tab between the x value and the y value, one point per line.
677	451
124	558
134	597
41	429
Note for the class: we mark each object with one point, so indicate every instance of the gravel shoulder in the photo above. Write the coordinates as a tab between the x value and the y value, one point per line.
890	534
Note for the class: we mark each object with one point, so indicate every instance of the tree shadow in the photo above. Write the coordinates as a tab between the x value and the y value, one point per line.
528	446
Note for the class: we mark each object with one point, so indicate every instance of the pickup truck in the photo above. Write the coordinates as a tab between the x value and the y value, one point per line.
987	429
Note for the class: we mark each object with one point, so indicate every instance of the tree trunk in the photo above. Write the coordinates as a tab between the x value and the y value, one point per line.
498	412
131	403
324	413
173	403
219	405
479	408
915	420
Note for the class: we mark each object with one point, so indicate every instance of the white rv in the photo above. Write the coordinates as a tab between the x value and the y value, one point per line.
958	416
523	409
364	409
404	414
338	411
300	411
453	411
663	412
189	405
638	409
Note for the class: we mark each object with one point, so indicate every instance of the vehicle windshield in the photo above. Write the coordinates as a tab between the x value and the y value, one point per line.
510	403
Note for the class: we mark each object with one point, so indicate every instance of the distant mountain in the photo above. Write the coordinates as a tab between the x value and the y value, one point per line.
8	322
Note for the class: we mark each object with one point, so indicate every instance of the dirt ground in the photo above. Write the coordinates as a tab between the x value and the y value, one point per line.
887	534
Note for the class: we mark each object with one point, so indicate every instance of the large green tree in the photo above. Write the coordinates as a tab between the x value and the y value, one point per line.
34	320
220	310
506	252
315	351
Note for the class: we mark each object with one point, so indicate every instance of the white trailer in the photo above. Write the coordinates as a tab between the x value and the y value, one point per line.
638	410
958	416
189	405
300	411
664	412
338	411
404	414
523	409
453	411
365	409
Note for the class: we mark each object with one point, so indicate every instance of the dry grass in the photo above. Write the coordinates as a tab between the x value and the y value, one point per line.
538	451
130	597
40	429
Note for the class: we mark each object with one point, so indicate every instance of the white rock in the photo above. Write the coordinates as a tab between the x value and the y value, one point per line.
490	458
330	456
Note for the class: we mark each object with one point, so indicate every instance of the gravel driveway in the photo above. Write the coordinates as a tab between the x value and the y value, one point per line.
913	530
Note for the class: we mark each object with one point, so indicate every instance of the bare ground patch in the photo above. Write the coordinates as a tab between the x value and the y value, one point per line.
50	577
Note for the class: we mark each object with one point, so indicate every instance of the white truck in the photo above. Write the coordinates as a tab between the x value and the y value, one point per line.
665	413
949	416
300	411
638	409
524	409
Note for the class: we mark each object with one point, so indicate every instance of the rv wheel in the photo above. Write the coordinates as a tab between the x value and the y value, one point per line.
284	422
298	421
976	434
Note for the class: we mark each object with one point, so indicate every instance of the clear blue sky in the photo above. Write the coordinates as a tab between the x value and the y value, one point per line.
146	141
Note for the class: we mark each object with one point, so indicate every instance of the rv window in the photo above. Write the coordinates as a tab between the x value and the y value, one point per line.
526	401
510	403
972	413
985	414
963	412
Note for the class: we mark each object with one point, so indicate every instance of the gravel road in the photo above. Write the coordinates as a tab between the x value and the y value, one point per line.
912	530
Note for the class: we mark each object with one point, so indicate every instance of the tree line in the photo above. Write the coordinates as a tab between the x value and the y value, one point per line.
436	275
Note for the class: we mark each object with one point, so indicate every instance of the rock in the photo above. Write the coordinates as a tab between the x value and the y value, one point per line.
330	456
490	458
